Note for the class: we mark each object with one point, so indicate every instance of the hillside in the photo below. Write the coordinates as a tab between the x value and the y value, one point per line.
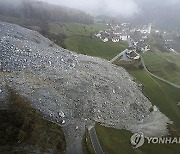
164	64
24	130
73	36
37	10
78	89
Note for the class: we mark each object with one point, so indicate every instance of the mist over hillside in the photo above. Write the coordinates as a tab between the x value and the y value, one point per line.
162	13
37	10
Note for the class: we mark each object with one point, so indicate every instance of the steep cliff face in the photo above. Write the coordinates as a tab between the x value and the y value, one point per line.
73	90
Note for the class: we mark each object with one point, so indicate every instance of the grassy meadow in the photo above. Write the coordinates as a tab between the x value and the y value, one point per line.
164	96
163	64
94	47
114	141
82	40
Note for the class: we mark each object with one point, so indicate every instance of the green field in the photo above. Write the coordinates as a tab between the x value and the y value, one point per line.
74	29
115	141
83	30
94	47
165	65
80	39
165	97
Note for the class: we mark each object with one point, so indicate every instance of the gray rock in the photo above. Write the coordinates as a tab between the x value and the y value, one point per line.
86	89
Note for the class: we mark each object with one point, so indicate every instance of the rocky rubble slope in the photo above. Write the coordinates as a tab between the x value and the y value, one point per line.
23	130
73	90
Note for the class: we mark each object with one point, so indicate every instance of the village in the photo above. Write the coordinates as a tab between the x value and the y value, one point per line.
136	38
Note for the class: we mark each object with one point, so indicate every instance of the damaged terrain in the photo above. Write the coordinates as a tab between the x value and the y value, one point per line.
73	90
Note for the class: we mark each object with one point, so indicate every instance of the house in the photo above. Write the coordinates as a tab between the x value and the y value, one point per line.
132	54
172	50
125	24
117	26
144	31
115	39
147	48
105	39
98	35
117	31
144	37
63	122
124	37
135	43
143	47
114	32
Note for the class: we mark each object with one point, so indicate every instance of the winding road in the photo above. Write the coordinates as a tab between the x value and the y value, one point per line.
157	77
123	53
145	68
95	142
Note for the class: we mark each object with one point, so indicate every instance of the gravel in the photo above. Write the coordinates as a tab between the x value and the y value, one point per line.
76	89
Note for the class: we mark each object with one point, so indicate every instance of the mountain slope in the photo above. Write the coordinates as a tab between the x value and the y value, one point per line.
78	89
34	9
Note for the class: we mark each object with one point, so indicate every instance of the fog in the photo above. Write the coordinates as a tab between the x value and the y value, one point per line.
125	8
114	8
101	7
161	12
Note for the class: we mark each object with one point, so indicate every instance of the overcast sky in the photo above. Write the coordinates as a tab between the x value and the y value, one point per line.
125	8
98	7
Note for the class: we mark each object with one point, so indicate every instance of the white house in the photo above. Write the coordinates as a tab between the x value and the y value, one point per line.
135	43
98	35
116	33
114	39
145	37
63	122
137	57
124	37
105	39
144	31
144	47
117	26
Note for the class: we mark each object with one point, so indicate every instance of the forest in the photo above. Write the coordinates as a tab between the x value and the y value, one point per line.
37	10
